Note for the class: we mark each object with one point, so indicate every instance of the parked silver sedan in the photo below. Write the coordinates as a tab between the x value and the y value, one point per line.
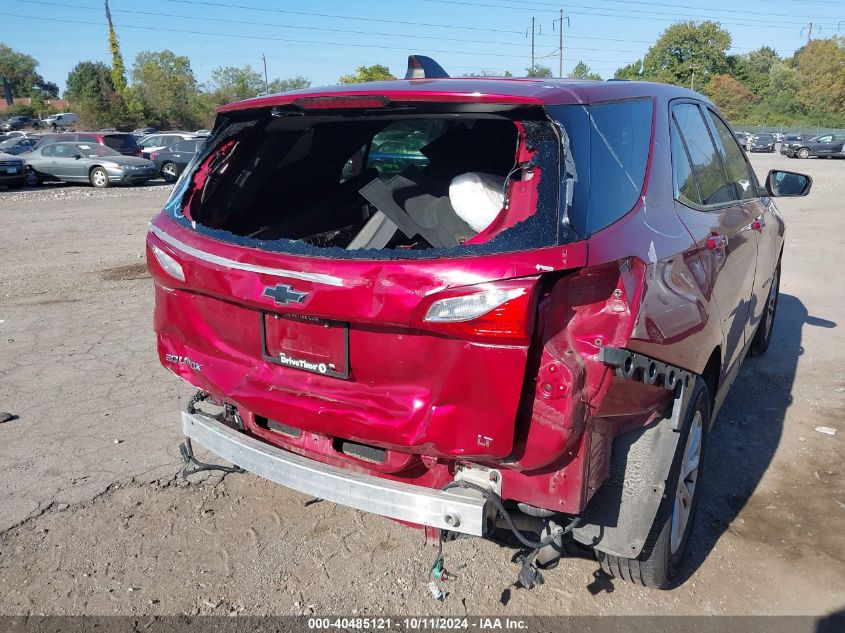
87	162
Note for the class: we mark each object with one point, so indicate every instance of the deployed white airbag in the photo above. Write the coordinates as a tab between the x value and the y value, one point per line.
477	198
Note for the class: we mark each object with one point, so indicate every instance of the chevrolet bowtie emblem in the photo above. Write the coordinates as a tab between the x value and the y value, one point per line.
284	294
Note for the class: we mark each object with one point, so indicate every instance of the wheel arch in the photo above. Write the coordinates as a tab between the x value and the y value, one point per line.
712	375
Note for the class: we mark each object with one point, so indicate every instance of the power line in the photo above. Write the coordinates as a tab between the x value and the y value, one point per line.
251	23
272	39
344	17
674	6
771	24
313	28
286	26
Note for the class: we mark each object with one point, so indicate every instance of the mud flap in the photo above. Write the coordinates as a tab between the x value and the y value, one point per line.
620	515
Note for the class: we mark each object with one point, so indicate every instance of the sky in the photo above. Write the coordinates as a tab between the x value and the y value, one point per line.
323	39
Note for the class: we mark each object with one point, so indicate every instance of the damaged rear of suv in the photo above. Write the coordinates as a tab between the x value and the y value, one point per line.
387	288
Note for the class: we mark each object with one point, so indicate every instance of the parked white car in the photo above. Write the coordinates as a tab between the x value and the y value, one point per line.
63	119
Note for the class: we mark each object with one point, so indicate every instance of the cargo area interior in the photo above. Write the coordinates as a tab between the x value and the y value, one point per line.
360	182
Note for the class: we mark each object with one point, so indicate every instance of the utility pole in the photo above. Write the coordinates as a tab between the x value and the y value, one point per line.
692	79
532	43
266	85
560	50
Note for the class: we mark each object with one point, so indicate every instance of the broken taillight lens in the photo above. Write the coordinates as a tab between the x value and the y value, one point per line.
496	312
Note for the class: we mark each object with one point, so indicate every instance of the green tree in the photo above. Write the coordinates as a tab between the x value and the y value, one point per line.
783	85
582	71
164	89
682	49
490	73
118	68
90	90
235	83
821	71
753	68
376	72
291	83
538	71
87	81
20	70
632	71
731	95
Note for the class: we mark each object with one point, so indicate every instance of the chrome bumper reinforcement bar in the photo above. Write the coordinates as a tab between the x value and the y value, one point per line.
455	511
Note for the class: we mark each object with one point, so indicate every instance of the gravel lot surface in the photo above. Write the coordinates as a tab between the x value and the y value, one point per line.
93	520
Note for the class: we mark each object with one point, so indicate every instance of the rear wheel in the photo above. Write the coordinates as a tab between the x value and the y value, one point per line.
99	178
33	178
803	153
666	544
169	172
763	335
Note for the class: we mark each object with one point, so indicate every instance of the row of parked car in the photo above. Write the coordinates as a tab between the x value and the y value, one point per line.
795	145
100	158
53	122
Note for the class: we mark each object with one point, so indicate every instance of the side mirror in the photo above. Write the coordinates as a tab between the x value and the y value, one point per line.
76	156
787	184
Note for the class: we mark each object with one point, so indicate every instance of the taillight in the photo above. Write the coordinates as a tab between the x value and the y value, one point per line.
341	102
498	312
153	155
168	263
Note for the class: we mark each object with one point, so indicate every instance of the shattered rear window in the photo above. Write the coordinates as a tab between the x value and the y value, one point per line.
376	185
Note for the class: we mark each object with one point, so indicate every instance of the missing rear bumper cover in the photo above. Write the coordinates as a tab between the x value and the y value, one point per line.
633	366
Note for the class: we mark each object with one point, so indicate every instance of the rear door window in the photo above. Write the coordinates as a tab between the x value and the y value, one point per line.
706	162
609	148
736	165
65	150
120	142
686	186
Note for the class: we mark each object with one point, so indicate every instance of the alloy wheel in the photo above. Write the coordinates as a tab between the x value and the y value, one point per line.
31	178
169	172
99	178
687	484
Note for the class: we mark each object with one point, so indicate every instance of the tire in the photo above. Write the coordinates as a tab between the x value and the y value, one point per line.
661	558
33	178
763	335
169	172
99	178
803	153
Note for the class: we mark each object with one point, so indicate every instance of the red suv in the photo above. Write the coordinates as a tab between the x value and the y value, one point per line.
529	326
121	142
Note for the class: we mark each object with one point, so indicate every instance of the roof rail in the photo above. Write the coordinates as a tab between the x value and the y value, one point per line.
422	67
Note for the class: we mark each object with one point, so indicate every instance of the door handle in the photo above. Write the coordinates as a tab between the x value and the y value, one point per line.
756	225
717	242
